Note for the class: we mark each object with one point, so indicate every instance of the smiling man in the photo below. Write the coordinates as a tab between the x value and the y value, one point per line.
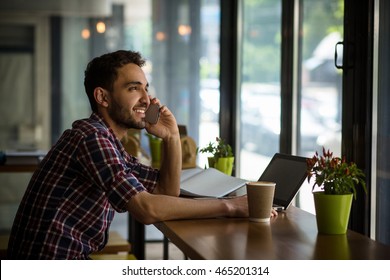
87	176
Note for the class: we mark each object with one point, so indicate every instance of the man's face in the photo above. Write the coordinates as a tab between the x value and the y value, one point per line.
129	98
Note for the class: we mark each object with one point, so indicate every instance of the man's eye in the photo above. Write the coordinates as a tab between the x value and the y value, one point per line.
132	88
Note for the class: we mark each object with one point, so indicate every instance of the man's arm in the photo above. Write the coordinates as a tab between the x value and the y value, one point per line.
149	208
170	171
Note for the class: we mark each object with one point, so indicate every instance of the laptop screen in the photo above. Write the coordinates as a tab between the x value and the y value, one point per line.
289	173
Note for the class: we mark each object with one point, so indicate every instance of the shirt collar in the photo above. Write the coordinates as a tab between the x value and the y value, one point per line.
97	117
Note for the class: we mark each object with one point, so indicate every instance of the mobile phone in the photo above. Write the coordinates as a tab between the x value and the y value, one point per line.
152	114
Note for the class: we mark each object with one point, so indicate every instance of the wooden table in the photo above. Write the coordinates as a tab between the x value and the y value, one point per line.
292	235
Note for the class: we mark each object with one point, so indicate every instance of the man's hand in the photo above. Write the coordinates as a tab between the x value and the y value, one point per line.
238	207
166	127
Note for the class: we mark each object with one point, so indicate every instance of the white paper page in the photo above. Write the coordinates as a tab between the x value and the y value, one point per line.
211	183
187	173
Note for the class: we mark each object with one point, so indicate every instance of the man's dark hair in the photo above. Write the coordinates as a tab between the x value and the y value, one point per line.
102	71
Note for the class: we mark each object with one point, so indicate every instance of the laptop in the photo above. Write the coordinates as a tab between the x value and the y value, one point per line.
289	173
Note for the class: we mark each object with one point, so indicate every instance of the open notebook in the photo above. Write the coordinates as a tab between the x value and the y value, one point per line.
210	182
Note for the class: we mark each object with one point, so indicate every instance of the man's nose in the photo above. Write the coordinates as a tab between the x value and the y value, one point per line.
145	97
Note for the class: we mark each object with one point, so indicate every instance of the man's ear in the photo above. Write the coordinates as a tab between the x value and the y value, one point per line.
101	96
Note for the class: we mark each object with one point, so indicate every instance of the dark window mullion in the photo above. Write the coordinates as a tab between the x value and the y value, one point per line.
228	72
357	99
287	83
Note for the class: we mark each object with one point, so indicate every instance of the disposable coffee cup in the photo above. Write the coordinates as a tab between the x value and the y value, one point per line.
260	199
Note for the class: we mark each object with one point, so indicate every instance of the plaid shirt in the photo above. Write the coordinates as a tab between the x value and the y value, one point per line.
72	196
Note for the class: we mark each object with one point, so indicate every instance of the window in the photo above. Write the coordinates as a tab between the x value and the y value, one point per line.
260	86
320	84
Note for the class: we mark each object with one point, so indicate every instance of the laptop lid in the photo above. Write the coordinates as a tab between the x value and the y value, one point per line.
289	173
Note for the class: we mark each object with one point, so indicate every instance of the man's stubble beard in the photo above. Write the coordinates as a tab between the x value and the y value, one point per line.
122	117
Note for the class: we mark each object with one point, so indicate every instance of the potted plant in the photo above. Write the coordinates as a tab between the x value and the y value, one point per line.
222	155
337	180
156	150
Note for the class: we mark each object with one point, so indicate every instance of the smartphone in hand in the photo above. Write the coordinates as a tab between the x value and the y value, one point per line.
152	114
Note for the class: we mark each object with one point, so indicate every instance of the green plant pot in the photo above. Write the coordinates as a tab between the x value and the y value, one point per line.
155	145
225	165
332	212
211	161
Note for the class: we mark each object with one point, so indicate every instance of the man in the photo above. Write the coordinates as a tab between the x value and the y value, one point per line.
87	175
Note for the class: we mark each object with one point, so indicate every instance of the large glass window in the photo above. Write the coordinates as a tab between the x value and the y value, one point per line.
260	86
320	84
185	64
